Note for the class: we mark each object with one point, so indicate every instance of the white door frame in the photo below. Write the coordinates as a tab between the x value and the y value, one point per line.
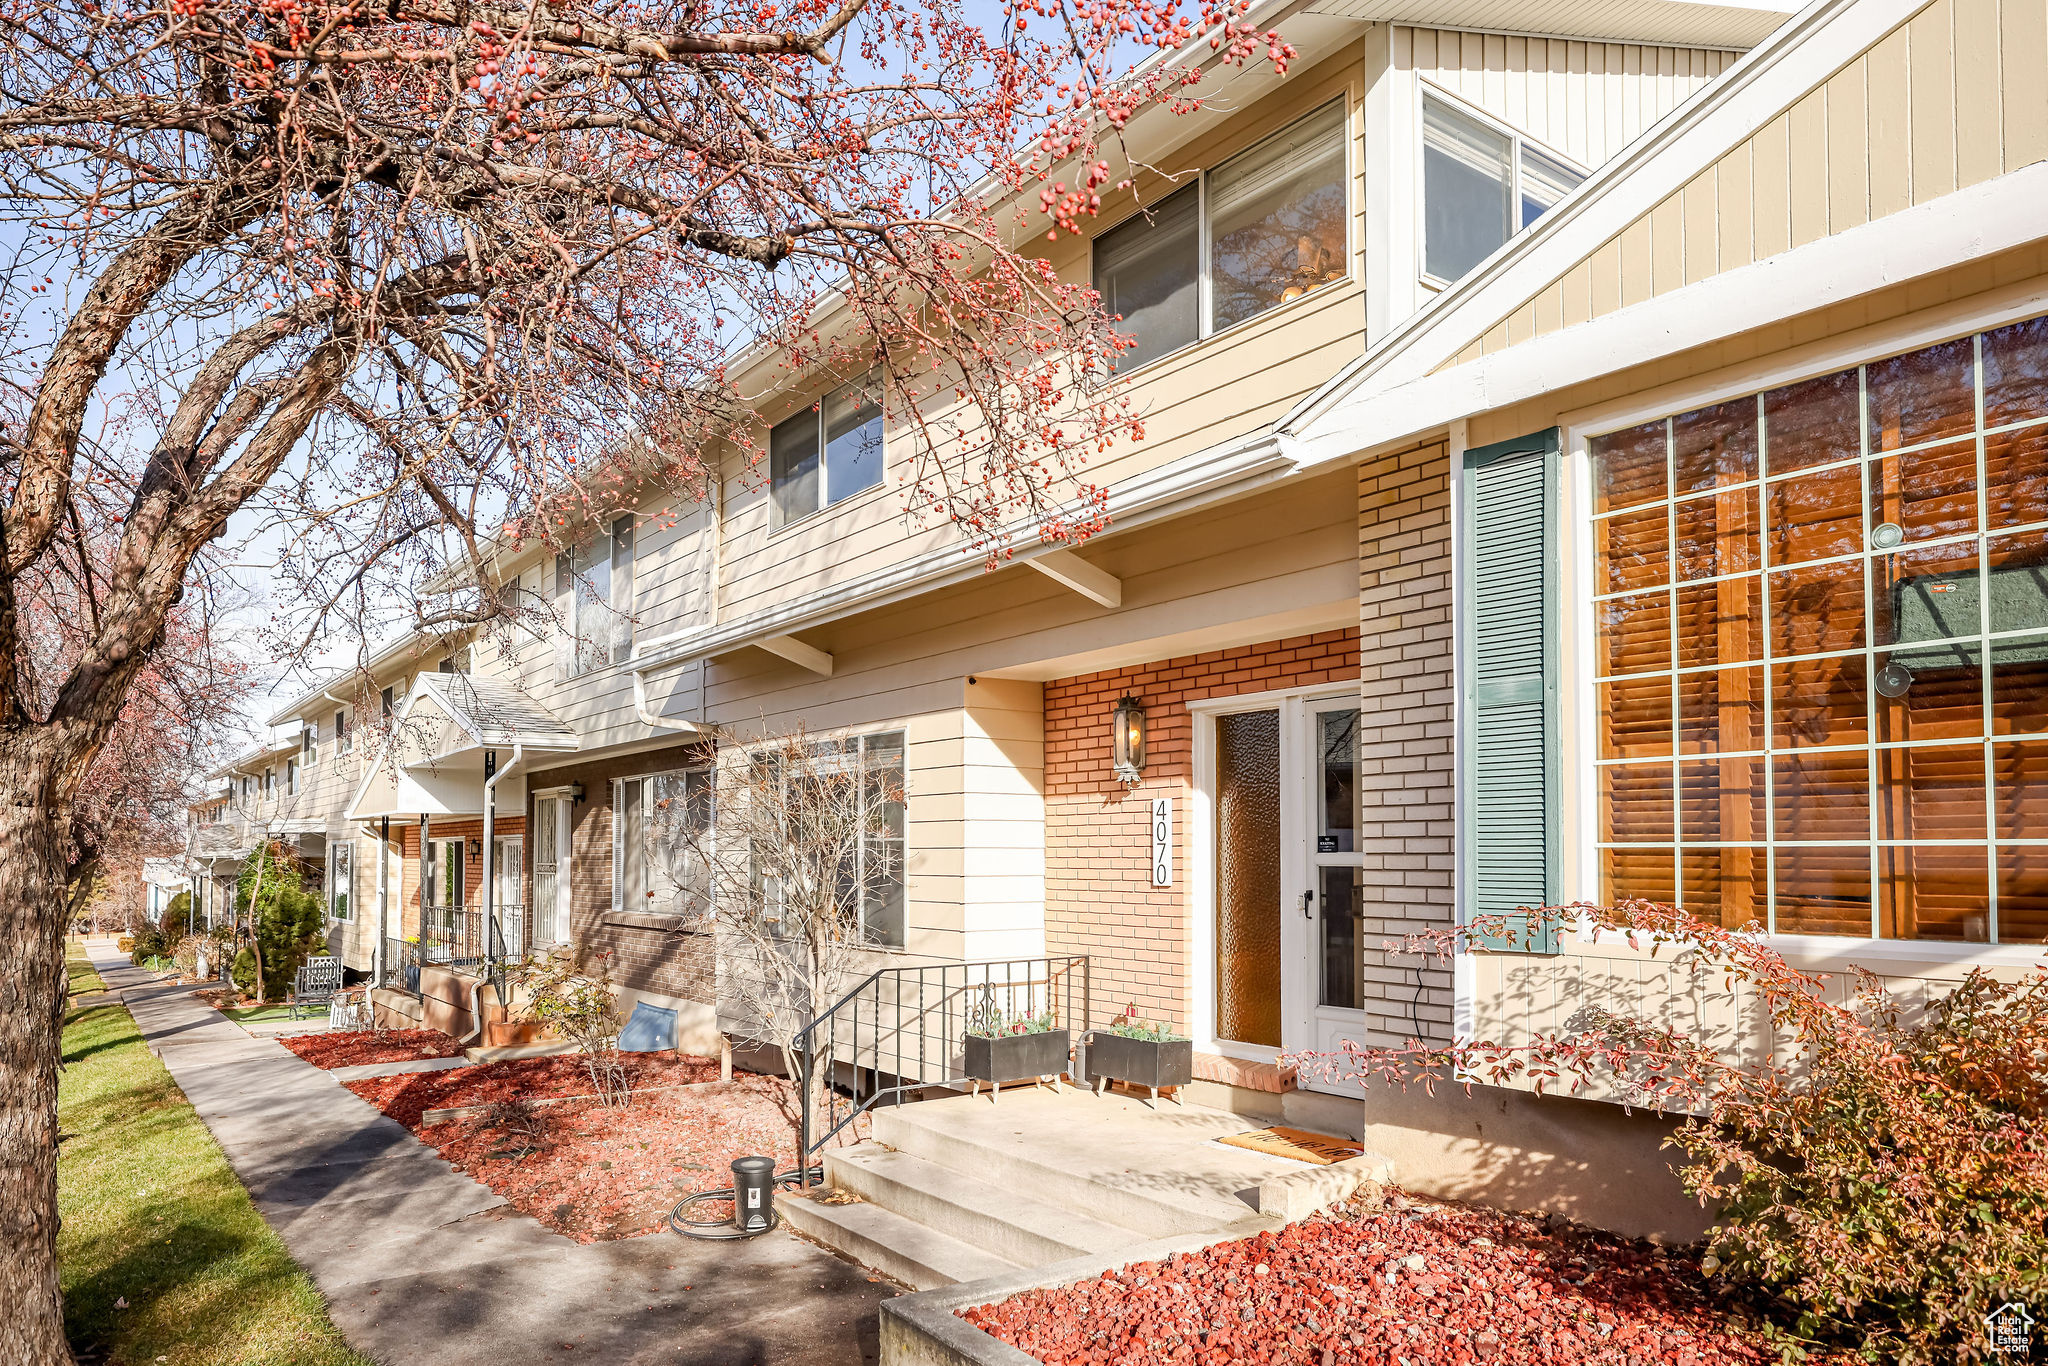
1298	948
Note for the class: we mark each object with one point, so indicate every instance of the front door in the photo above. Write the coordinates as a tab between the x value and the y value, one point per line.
1288	871
508	866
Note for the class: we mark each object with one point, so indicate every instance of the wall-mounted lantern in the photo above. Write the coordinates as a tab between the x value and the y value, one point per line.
1127	739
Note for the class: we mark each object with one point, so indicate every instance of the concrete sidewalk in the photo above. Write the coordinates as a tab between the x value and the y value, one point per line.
421	1264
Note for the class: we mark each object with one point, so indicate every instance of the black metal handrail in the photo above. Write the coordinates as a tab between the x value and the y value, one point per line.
472	940
916	1020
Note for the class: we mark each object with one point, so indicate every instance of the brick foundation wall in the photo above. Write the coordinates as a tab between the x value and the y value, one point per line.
1408	766
656	960
1099	898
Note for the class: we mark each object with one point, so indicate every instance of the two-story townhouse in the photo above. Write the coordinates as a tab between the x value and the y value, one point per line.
1297	796
343	725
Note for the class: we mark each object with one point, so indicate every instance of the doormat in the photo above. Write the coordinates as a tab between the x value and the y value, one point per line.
1298	1144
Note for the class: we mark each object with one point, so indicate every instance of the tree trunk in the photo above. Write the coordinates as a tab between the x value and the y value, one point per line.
32	992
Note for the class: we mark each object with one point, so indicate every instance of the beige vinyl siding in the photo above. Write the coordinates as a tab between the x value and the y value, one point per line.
1676	374
1222	387
1951	98
1585	99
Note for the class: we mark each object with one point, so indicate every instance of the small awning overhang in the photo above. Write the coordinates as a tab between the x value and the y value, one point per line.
450	729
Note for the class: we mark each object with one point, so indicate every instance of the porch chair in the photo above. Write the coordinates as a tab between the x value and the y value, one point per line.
313	986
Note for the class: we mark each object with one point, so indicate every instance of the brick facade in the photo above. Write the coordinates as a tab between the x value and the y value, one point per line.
1099	898
654	959
1408	766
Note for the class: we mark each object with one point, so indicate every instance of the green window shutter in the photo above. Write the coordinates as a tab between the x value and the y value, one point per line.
1509	733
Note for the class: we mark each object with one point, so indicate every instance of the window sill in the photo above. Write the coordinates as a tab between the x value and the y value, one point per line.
651	920
813	519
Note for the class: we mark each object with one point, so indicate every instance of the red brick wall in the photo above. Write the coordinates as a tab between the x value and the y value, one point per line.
661	960
413	879
1099	898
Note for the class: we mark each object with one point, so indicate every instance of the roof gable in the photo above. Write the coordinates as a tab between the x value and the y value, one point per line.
1620	239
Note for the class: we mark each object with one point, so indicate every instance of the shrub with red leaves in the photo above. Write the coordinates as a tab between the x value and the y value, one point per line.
356	1047
1882	1176
1429	1286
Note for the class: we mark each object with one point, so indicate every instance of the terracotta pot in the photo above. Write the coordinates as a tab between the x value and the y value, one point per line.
513	1033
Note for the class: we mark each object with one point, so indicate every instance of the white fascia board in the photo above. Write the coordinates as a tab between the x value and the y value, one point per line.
1731	26
1995	216
1798	57
1214	475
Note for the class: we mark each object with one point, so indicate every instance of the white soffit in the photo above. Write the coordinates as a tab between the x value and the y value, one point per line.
1673	22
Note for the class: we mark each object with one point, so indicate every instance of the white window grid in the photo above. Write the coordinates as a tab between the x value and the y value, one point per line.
1984	641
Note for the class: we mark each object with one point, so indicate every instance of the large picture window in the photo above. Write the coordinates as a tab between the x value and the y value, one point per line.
662	821
829	452
1275	222
1481	184
1821	621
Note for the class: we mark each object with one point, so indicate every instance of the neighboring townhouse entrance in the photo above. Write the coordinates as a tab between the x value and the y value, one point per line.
1279	871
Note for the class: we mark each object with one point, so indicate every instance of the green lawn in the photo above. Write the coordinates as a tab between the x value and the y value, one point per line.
155	1218
262	1014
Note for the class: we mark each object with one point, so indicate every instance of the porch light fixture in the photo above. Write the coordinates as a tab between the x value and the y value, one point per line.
476	846
1127	739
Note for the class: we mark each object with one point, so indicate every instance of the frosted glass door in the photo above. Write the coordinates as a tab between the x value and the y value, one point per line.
1248	862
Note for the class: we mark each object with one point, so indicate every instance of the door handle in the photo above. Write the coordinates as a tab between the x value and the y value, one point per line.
1308	900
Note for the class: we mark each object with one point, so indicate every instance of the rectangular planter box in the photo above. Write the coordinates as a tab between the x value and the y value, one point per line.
1017	1057
1141	1062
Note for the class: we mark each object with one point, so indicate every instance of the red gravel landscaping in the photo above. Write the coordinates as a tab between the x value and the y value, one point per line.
1437	1285
585	1170
353	1048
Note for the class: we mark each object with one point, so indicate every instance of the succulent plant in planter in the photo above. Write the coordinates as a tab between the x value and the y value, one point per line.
1002	1047
1141	1053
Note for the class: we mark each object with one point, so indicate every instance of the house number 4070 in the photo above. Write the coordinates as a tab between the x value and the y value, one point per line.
1162	841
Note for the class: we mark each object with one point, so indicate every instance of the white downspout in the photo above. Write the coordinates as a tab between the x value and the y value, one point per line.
490	882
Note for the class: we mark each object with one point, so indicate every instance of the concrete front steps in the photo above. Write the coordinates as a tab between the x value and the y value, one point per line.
961	1190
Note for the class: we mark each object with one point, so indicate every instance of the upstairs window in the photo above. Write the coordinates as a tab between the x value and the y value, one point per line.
291	777
1481	184
269	783
1147	270
342	743
309	744
594	593
1262	229
1277	220
829	452
390	701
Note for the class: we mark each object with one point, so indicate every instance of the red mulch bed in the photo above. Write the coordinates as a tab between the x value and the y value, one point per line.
591	1172
354	1047
1498	1289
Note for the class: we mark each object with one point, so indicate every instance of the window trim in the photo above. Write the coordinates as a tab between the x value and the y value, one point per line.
1577	652
777	522
1205	328
309	745
344	742
617	904
1427	90
347	846
569	642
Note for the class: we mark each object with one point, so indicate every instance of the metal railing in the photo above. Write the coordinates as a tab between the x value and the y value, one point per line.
400	965
472	940
903	1031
